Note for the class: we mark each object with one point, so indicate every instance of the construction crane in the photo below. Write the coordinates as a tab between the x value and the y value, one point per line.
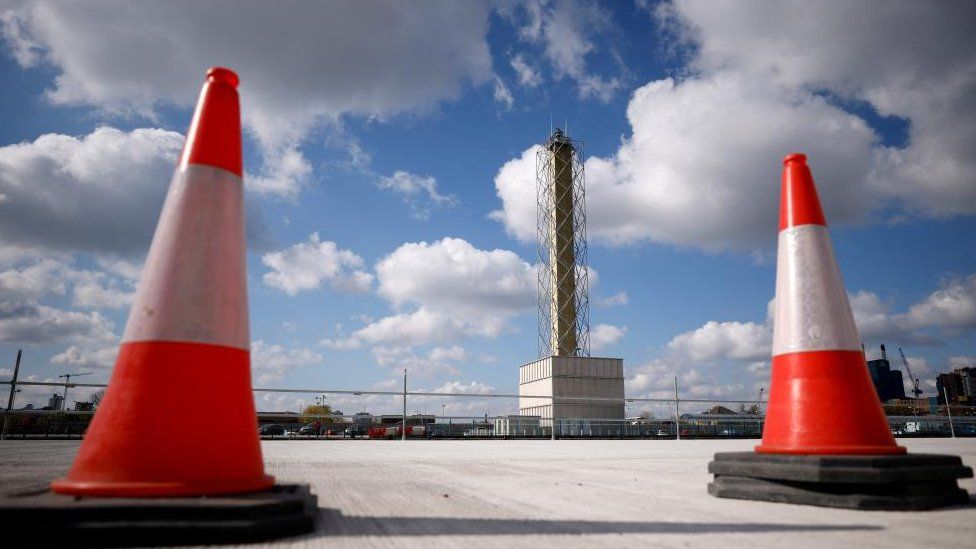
67	381
915	390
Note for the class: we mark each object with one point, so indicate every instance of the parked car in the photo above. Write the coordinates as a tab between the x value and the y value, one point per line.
309	430
663	433
271	429
353	432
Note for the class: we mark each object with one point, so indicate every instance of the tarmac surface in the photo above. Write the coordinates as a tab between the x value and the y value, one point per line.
539	493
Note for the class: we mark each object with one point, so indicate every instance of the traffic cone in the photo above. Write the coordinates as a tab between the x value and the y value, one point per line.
821	398
178	417
826	439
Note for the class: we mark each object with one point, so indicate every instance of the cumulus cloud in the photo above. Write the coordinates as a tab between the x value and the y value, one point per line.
951	307
606	335
735	340
455	290
672	180
87	358
306	265
701	165
419	192
271	361
861	53
294	60
27	322
101	192
438	361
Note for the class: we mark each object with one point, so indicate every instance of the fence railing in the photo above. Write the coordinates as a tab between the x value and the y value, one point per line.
650	418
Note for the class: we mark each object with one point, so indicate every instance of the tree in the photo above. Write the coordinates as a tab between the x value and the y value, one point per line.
317	412
96	397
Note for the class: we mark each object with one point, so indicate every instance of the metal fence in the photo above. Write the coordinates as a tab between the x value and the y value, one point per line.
648	418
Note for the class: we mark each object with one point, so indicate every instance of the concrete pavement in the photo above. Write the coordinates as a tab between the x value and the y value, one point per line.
566	493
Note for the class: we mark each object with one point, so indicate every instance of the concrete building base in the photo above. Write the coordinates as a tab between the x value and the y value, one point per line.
584	388
884	483
284	510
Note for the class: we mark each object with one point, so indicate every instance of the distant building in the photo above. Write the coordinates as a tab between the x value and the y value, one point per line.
968	379
951	385
888	383
55	402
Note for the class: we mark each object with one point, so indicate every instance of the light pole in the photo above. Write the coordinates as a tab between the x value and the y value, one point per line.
10	399
403	434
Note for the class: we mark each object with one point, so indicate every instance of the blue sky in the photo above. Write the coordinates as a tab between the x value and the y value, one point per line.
389	160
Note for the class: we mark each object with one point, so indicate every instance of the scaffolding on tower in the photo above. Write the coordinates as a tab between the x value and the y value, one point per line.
564	301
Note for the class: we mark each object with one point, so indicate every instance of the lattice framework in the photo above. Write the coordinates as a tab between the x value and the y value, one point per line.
564	301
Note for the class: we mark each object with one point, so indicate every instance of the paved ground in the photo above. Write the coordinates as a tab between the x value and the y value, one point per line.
547	494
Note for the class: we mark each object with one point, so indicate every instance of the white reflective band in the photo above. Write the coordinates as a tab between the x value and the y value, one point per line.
811	311
193	287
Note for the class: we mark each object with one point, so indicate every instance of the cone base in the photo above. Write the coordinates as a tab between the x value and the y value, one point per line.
911	482
283	510
160	489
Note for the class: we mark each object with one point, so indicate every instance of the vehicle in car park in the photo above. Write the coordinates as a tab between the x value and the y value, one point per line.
271	429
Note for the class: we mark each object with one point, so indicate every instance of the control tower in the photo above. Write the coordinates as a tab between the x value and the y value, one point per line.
564	367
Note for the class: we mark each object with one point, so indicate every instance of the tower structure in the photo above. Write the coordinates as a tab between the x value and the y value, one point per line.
564	328
566	388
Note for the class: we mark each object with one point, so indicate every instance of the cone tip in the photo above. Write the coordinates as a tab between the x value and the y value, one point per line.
798	157
223	74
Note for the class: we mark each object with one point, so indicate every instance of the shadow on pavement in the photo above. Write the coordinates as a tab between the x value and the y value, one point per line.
333	523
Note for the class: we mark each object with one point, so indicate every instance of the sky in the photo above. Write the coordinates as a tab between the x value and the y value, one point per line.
390	181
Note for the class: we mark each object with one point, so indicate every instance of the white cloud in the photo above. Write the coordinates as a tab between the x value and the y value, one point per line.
502	94
619	298
284	172
566	31
271	362
42	277
527	75
453	291
101	192
606	335
301	63
672	182
306	265
951	307
27	322
702	164
96	290
962	362
438	361
456	386
861	52
419	192
735	340
87	357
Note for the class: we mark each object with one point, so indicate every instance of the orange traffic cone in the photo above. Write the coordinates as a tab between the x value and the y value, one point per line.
826	439
185	353
821	398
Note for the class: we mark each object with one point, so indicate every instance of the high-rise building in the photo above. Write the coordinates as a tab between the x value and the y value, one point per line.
968	375
55	402
589	387
887	382
951	385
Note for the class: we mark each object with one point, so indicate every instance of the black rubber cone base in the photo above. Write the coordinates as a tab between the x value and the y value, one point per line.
284	510
911	482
